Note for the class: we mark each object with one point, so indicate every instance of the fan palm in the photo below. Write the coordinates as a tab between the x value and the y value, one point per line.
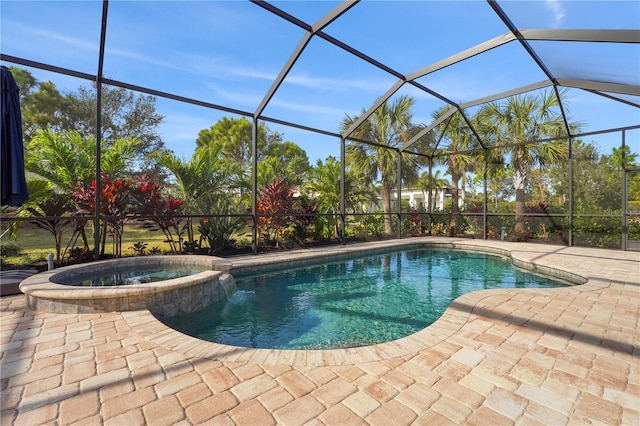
428	182
388	127
458	139
521	119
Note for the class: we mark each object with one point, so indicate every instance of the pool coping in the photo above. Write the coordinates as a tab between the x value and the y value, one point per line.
449	323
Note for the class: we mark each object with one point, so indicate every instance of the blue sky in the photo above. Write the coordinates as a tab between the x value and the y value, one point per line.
229	52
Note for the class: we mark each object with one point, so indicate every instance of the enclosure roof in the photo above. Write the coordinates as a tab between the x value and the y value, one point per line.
307	65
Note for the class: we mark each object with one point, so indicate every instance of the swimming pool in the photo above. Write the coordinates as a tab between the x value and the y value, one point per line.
352	302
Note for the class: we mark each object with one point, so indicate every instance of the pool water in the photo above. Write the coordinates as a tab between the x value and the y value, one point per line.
350	303
128	277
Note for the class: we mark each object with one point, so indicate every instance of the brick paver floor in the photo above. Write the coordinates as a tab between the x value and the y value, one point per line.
531	357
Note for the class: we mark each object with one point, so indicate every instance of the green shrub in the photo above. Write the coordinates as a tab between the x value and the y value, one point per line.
9	248
597	231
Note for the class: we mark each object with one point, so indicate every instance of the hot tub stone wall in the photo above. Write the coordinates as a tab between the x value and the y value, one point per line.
163	299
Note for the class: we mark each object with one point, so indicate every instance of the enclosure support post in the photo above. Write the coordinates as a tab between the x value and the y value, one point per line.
430	201
96	221
254	184
625	194
484	202
399	194
570	192
342	189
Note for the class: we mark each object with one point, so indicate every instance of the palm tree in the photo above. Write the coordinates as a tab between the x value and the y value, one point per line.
388	127
324	188
497	176
63	160
427	182
272	169
521	119
200	181
458	139
66	158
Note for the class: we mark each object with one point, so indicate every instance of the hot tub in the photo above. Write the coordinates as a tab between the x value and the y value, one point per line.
60	290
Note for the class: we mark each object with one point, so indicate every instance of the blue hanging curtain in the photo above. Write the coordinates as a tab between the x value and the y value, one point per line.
12	179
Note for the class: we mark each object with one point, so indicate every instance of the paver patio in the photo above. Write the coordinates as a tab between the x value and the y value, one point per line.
535	356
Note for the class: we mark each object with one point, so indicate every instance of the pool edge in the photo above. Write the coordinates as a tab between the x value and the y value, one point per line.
451	321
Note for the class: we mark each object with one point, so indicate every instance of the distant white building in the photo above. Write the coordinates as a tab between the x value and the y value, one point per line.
417	197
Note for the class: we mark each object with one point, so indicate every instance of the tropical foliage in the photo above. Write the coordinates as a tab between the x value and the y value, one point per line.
114	203
457	140
155	209
521	119
203	203
125	115
389	127
282	217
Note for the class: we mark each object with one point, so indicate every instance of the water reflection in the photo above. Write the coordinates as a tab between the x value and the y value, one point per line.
352	302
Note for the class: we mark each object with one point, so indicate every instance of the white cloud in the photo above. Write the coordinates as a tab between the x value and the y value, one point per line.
318	83
249	101
558	11
309	108
339	84
252	73
141	58
76	42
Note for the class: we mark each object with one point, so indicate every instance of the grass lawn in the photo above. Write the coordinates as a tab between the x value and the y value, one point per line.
36	243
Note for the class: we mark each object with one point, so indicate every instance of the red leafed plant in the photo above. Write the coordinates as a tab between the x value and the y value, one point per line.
540	208
154	209
281	215
114	198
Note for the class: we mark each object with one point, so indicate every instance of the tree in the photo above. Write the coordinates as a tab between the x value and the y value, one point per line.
597	179
291	154
200	182
291	169
124	115
40	102
521	119
428	182
323	186
232	138
67	158
498	186
388	127
458	139
538	188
